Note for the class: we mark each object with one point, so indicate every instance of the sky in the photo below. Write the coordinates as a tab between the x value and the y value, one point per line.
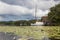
11	10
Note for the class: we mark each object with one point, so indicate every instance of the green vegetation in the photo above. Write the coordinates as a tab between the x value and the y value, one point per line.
18	23
32	31
54	15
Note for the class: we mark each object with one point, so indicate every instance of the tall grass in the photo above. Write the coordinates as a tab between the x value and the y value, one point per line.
31	31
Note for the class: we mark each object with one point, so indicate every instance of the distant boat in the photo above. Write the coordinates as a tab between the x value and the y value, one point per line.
38	24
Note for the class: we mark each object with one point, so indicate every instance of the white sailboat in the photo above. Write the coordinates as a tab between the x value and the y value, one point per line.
37	23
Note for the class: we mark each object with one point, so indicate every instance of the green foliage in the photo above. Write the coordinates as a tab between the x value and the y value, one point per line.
54	15
16	23
33	21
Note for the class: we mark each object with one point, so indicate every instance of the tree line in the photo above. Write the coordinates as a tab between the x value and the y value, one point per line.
18	23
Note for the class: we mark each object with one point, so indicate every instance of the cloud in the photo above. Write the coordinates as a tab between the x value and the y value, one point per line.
42	4
8	9
41	13
21	8
17	10
56	0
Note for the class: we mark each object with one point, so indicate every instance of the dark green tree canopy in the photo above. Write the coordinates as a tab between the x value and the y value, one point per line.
54	15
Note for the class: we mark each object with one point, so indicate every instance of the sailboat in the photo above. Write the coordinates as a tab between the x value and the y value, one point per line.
37	23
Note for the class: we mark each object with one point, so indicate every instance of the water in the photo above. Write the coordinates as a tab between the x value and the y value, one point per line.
8	36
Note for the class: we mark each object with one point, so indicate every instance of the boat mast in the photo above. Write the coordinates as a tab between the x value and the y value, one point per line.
35	12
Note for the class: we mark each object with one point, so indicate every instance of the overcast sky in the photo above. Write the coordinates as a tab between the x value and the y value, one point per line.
24	9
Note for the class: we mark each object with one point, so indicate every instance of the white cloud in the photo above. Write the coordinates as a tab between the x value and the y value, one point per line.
41	13
3	8
19	10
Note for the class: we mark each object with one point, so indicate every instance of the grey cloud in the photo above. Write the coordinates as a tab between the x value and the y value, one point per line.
9	1
10	17
43	4
56	0
18	2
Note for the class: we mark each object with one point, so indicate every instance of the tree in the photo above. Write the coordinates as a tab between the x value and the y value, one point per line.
17	23
54	15
32	21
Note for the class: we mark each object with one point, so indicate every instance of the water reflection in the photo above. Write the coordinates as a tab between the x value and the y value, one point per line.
8	36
